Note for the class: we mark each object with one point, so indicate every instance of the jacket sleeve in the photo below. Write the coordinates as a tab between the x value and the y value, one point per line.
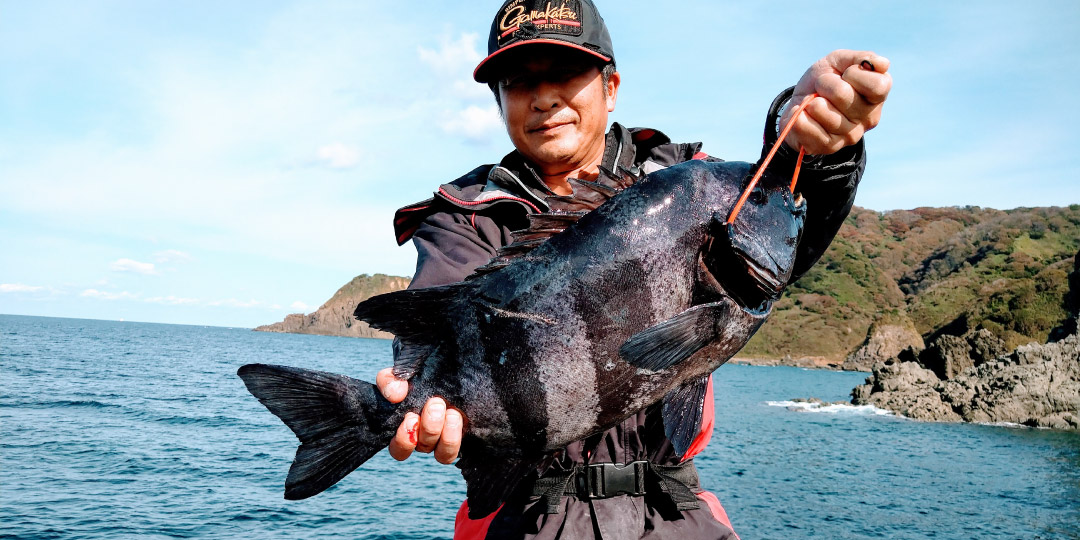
827	182
449	246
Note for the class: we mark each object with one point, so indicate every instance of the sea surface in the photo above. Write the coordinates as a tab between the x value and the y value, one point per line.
136	430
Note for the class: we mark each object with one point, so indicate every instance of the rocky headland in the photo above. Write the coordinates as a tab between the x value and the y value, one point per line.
335	316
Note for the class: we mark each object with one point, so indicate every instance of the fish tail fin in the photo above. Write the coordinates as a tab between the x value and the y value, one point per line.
341	422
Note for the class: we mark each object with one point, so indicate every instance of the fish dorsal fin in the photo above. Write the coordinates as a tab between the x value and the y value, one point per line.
548	224
417	317
619	180
683	409
565	210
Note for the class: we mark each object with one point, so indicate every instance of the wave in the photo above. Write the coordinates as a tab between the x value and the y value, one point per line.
89	403
830	408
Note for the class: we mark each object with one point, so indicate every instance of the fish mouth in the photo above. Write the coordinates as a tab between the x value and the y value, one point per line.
727	270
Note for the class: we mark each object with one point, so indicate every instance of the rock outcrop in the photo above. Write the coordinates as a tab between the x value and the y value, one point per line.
974	378
1034	385
885	339
334	318
948	356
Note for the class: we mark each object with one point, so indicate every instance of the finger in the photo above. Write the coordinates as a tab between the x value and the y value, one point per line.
450	442
843	97
391	387
404	441
811	136
842	59
431	424
871	86
829	117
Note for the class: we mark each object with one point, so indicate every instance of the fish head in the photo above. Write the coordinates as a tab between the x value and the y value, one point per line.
752	258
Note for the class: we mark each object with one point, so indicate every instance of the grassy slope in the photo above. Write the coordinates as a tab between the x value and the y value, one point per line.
940	268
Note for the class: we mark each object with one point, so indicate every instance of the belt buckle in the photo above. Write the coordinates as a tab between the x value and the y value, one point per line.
609	479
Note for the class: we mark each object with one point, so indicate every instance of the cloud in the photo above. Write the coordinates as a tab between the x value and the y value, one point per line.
476	124
129	265
18	288
172	300
338	156
452	64
105	295
233	302
299	306
171	256
453	56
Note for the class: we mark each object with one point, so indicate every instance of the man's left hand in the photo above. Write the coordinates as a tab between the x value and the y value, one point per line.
851	87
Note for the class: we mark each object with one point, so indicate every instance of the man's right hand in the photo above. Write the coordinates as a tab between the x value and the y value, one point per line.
438	427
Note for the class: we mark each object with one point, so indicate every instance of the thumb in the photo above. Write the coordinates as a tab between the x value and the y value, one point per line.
391	387
842	59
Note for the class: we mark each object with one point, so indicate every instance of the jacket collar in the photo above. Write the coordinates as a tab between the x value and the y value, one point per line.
515	174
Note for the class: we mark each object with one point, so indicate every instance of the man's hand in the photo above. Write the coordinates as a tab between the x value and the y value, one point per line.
437	428
852	86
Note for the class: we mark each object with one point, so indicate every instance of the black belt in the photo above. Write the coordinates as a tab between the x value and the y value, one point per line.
604	480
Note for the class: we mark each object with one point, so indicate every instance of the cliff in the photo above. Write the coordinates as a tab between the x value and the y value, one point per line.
334	318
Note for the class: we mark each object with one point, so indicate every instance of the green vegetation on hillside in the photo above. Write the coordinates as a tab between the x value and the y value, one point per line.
946	270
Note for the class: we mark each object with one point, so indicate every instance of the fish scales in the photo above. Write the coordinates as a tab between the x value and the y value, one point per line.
646	293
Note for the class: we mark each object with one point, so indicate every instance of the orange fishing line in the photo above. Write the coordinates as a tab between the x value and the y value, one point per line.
768	158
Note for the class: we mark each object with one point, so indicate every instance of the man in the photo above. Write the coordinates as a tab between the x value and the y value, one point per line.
551	68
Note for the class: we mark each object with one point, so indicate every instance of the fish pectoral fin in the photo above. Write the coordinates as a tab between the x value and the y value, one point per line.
490	480
678	338
682	411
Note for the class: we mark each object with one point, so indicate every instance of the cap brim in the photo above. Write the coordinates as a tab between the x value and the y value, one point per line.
483	69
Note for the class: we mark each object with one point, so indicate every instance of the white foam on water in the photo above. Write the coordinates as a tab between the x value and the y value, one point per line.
1013	425
829	408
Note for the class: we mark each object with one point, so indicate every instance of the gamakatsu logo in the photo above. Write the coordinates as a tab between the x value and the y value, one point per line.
515	15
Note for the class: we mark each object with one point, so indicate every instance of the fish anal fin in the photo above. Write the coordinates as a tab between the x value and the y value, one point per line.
669	342
682	411
490	480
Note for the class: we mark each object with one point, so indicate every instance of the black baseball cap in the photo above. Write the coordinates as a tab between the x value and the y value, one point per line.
571	23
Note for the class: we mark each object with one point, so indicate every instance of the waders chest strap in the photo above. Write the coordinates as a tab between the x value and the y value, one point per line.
604	480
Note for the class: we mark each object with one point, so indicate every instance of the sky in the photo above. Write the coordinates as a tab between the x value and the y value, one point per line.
229	163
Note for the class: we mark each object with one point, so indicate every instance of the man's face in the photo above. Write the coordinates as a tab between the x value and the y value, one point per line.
556	107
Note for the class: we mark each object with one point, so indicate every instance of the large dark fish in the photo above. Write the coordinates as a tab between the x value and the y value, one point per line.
559	338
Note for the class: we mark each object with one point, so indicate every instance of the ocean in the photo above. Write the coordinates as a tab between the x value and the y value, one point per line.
136	430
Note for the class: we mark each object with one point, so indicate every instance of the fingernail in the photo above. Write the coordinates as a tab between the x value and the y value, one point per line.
399	387
411	430
453	420
867	65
